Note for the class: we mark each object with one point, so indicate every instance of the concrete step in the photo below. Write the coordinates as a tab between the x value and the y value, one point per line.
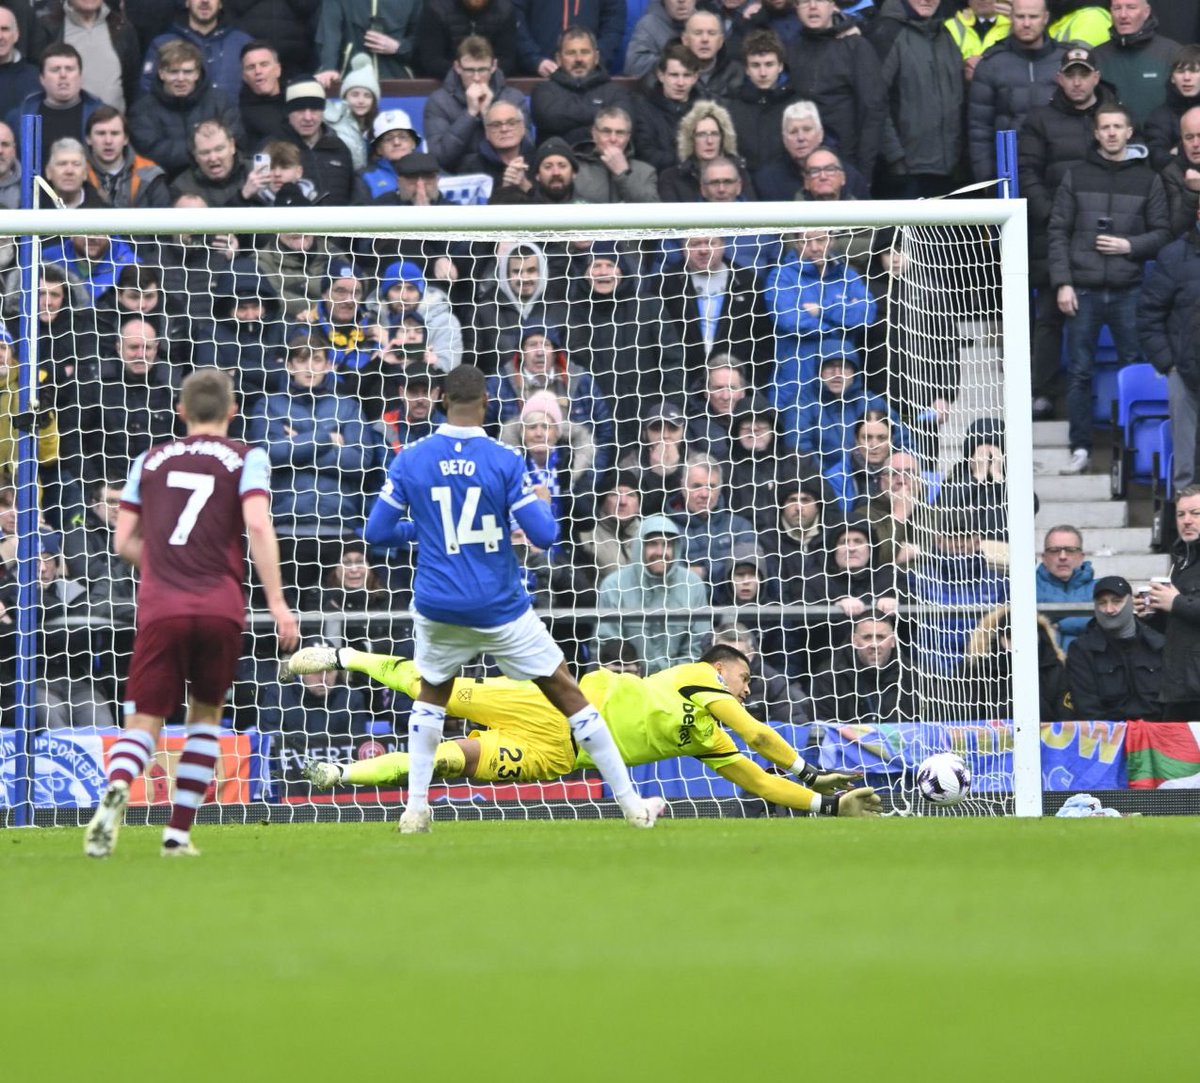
1107	540
1137	568
1050	434
1079	487
1083	515
1050	460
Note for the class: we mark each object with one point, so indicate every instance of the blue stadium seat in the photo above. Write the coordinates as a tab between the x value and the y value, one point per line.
413	105
1163	490
1137	411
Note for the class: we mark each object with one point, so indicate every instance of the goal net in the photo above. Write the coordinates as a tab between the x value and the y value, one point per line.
792	432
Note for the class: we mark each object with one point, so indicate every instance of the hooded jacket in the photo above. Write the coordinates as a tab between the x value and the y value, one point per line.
494	329
660	640
1132	195
1139	66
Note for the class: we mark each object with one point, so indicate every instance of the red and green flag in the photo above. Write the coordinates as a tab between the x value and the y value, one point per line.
1157	752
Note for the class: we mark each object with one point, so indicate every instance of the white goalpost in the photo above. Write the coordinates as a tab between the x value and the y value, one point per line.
824	410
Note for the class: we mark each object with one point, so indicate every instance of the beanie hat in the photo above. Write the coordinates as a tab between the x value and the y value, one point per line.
305	93
362	75
543	402
555	146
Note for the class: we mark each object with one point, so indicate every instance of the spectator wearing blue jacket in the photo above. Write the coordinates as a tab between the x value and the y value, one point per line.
393	137
94	260
821	307
220	45
343	319
541	22
1064	576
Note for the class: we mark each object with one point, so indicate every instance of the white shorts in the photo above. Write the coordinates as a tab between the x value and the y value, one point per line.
522	648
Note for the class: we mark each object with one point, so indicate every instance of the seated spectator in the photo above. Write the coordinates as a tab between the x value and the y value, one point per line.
824	178
654	580
94	259
976	485
802	133
565	103
555	166
107	43
18	77
657	458
1063	575
724	392
506	152
62	103
848	574
838	71
513	297
129	409
749	587
795	531
665	98
326	159
540	364
138	292
404	291
92	559
864	682
1114	668
826	425
900	513
454	113
959	579
861	471
983	688
658	29
607	172
217	174
821	307
412	403
67	695
756	104
218	44
704	134
342	318
162	120
704	35
285	169
717	307
608	544
10	168
352	116
321	704
321	451
261	103
393	137
66	172
445	25
67	343
559	454
247	334
295	265
118	175
709	531
387	29
760	464
1161	127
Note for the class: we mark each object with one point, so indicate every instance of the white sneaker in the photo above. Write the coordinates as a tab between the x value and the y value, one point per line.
312	660
416	821
323	774
1080	461
100	838
184	849
652	808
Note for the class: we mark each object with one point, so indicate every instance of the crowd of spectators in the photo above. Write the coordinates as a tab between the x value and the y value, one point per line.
720	419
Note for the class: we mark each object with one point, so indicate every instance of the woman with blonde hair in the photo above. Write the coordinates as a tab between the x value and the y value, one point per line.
706	132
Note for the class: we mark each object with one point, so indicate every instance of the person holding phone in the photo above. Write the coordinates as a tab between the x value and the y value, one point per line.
1109	217
384	29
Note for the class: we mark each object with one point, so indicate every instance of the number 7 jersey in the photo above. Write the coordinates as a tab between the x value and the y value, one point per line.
460	488
189	496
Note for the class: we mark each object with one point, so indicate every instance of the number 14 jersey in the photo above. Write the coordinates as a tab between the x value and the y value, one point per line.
189	495
460	488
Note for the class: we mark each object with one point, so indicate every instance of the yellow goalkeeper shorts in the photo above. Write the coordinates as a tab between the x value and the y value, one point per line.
525	750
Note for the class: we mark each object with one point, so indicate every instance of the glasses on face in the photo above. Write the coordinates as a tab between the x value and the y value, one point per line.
708	135
822	170
512	122
1063	550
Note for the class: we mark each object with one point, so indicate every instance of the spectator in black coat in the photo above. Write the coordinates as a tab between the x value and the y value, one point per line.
1174	608
445	24
319	704
289	25
161	122
704	134
1183	93
801	134
667	95
1114	669
217	173
539	23
863	682
260	100
565	104
326	159
756	104
506	153
62	103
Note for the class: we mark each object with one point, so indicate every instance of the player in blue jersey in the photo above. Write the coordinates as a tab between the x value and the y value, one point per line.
455	492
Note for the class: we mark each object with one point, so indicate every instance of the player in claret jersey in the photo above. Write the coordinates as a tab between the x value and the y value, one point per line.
456	492
184	512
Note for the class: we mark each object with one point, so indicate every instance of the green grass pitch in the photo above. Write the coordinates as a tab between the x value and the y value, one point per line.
705	950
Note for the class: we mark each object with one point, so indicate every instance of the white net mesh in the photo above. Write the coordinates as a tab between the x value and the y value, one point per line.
815	419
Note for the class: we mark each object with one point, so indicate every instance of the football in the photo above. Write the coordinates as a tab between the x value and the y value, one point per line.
943	778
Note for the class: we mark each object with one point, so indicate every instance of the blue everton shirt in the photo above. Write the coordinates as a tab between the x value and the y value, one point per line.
460	487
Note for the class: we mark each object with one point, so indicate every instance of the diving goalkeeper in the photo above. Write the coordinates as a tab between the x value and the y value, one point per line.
677	712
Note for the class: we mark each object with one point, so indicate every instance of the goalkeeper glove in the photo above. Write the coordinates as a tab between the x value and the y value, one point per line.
860	802
30	420
822	781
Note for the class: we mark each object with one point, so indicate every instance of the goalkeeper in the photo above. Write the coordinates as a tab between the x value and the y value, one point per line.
677	712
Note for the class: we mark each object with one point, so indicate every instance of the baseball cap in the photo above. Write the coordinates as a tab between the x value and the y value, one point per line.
393	120
664	411
1078	56
1112	584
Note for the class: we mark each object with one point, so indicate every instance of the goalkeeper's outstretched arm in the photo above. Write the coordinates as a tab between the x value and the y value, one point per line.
778	790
